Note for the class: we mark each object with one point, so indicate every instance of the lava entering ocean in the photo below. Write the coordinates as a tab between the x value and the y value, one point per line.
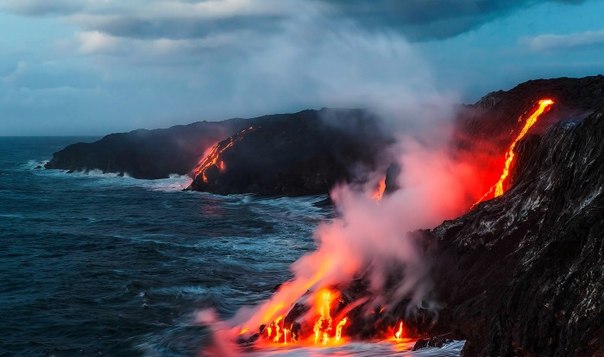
368	279
367	276
497	189
212	157
327	330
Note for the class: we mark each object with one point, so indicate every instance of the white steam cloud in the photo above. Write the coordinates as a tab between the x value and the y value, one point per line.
381	72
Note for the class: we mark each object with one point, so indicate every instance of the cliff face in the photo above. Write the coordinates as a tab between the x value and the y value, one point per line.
297	154
303	153
496	114
523	274
146	154
485	129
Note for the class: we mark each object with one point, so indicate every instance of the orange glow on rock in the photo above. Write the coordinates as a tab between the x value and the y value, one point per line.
323	326
498	190
324	330
212	157
339	329
398	335
544	104
378	194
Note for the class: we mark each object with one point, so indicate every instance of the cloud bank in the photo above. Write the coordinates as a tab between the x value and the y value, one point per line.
552	42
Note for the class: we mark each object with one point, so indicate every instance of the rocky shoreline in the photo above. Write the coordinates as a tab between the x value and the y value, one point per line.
518	275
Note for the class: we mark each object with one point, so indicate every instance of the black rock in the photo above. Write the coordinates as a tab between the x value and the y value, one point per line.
523	274
146	154
436	341
305	153
421	343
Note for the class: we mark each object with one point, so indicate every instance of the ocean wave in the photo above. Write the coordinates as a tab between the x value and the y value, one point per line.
299	209
34	165
173	183
12	215
366	349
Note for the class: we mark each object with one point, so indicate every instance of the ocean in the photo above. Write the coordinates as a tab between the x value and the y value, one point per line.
95	264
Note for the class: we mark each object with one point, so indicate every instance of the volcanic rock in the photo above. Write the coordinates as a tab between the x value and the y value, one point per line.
146	154
490	121
523	274
436	341
304	153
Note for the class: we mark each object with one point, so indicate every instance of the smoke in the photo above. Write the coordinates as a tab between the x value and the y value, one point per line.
223	344
383	73
315	59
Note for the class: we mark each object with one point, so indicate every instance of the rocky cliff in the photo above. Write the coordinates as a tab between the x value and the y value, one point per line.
146	154
518	275
302	153
297	154
523	274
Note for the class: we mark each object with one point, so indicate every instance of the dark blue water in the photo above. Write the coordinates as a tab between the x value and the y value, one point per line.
92	264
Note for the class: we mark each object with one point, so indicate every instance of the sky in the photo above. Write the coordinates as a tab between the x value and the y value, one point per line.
91	67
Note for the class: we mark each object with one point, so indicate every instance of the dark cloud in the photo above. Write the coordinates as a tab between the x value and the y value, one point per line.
181	28
418	20
39	8
429	19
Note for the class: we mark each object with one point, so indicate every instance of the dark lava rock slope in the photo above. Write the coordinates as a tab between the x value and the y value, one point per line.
299	154
146	154
523	274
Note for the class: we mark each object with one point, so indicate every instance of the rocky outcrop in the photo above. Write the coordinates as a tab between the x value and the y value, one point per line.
146	154
523	274
302	153
496	114
485	129
297	154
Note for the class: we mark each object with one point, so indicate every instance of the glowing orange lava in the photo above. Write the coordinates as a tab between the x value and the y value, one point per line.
339	329
212	156
323	326
509	155
212	159
398	335
379	190
497	189
277	333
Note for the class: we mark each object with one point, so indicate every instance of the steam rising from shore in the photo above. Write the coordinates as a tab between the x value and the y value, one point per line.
369	238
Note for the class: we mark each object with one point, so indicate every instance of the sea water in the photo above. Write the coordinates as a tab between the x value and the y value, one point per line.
96	264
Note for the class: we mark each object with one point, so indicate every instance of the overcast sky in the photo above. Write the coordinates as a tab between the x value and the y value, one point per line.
71	67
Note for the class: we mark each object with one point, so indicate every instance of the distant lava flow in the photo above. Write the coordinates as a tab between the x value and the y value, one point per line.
213	156
497	189
378	193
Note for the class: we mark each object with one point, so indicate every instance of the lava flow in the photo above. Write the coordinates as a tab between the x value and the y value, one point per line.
324	331
212	156
378	193
398	335
324	326
317	327
497	190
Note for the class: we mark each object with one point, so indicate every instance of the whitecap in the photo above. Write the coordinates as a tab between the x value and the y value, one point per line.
365	349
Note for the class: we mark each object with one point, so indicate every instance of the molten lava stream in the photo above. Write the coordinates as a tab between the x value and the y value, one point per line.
497	189
327	331
324	331
212	156
378	193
